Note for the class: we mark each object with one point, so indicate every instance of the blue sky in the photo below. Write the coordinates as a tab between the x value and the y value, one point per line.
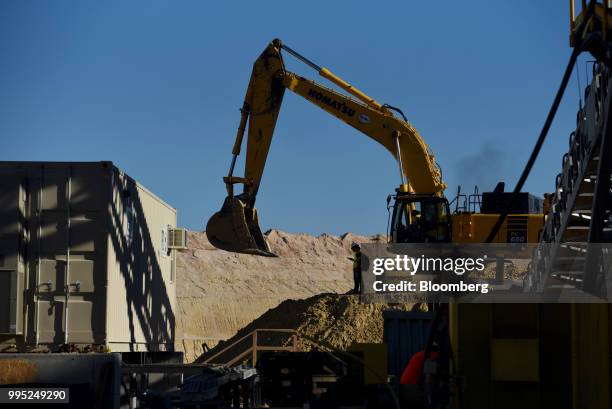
156	86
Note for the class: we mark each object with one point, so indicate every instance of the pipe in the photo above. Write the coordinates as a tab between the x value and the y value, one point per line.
404	185
67	272
39	239
572	16
604	32
244	116
297	55
327	74
371	102
540	141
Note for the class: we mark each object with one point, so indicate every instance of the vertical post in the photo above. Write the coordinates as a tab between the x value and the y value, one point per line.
601	197
67	266
38	258
572	16
244	116
606	5
398	152
254	348
458	198
574	355
133	398
499	270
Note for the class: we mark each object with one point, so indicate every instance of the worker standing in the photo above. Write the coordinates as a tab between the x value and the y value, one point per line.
356	248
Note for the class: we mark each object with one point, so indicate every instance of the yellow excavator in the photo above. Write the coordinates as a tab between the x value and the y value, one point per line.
420	213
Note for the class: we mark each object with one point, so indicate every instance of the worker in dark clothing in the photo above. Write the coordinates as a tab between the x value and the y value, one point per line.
356	248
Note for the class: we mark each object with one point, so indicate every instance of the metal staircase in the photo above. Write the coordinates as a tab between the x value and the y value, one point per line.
247	348
572	253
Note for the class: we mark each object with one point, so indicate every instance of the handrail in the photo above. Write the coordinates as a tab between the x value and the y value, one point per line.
254	348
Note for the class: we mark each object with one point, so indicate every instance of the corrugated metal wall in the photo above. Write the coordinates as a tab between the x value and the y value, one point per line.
141	292
68	223
405	333
81	258
12	251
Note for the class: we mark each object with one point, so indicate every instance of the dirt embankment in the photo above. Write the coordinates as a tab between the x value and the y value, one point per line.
331	320
219	292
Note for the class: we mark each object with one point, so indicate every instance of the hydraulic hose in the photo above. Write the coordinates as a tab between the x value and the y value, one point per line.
551	115
539	143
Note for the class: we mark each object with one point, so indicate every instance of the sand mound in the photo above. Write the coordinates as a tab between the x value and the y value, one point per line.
328	319
14	371
219	292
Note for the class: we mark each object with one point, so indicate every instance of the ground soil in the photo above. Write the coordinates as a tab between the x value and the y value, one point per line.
220	293
321	321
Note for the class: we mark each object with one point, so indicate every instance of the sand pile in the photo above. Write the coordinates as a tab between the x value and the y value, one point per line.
14	371
329	319
219	292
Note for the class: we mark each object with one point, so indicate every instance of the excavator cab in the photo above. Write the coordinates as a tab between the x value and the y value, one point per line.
420	219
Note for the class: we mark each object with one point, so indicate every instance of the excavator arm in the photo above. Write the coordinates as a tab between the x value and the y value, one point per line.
417	164
235	227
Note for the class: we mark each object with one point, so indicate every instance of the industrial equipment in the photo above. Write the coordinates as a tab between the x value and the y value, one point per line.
236	226
82	245
420	211
580	214
560	345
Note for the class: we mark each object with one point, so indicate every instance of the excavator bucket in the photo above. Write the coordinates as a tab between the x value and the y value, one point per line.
236	228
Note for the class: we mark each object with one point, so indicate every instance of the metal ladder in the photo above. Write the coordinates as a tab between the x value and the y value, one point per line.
570	253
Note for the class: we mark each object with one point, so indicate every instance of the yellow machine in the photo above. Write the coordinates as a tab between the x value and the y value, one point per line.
475	219
421	213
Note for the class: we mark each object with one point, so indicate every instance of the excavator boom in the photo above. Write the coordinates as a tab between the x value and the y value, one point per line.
236	227
417	163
